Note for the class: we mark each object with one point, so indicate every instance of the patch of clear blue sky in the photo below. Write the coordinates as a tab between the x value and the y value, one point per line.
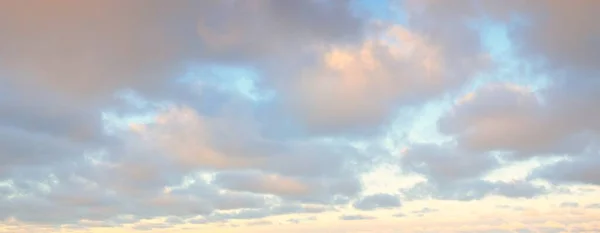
384	10
509	67
231	79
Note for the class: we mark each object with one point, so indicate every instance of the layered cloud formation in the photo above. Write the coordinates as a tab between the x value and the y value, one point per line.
299	116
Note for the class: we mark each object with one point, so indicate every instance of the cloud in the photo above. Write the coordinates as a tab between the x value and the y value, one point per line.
214	112
565	47
259	183
446	163
299	220
57	87
357	88
259	213
453	174
569	205
141	48
259	223
132	177
582	169
150	226
400	215
512	118
556	120
535	32
377	201
468	190
355	217
593	206
424	211
305	189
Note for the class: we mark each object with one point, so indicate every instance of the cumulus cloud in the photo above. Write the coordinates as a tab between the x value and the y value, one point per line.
355	89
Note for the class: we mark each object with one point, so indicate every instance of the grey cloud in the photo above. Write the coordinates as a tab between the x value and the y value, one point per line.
565	47
552	229
569	205
63	62
150	226
524	230
578	169
489	231
63	66
299	220
237	201
128	178
54	98
198	221
561	124
457	175
259	213
17	147
317	160
84	195
259	223
143	47
36	131
260	183
518	189
377	201
471	190
593	206
400	215
308	190
446	163
522	123
562	47
174	220
516	208
355	217
558	119
424	211
235	140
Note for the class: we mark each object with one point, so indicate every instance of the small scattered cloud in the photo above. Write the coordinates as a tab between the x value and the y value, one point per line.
569	205
355	217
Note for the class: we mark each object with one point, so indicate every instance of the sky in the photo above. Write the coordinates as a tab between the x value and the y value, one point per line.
270	116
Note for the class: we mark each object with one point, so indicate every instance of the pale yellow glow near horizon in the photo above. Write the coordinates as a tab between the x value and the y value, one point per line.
471	216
